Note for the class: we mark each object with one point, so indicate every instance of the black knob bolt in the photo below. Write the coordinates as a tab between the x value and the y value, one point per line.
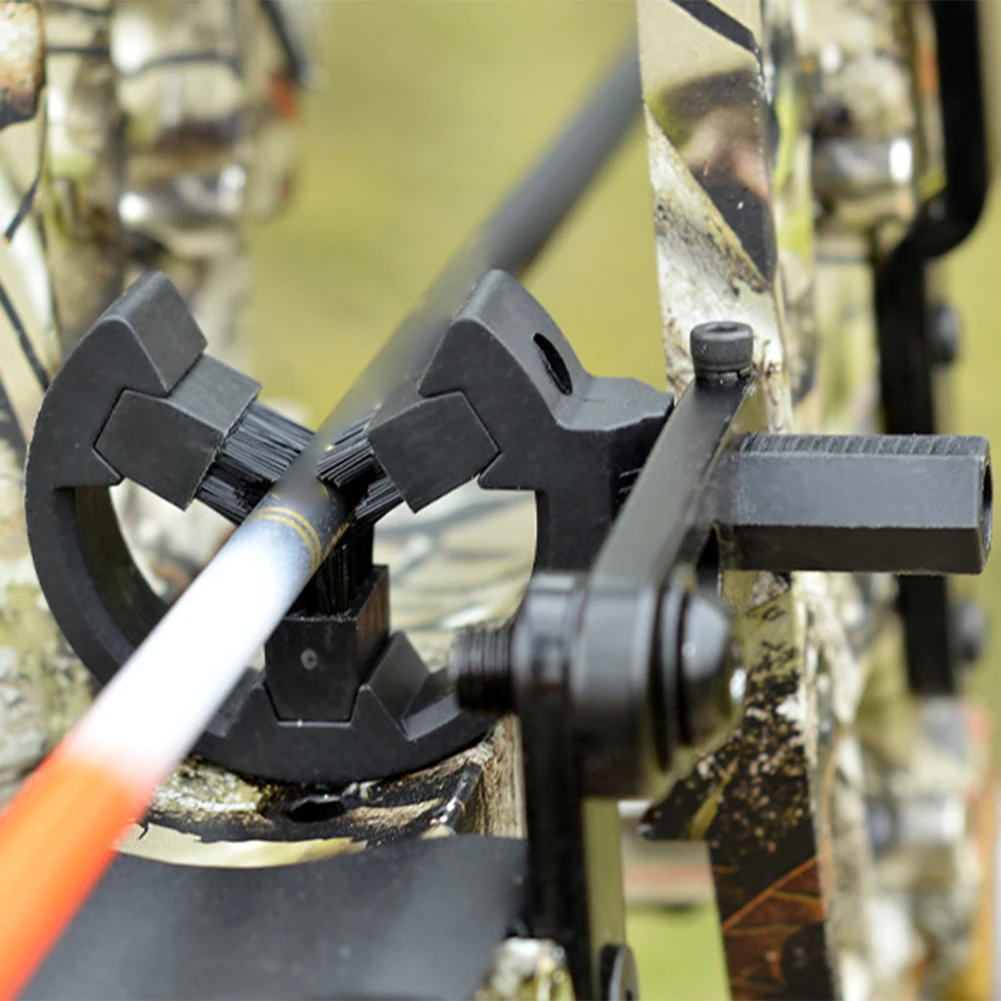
945	334
619	978
480	668
969	625
722	347
707	696
695	632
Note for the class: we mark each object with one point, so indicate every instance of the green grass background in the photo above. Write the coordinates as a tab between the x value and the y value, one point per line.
428	111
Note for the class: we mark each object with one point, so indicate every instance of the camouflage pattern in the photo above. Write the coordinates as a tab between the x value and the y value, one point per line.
751	227
42	687
719	175
205	815
170	128
527	969
132	136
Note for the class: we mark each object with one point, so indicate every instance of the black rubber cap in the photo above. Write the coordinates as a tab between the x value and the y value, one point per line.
707	697
723	347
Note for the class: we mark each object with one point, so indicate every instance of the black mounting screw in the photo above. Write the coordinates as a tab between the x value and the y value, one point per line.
619	978
720	348
480	667
944	334
707	695
969	626
695	638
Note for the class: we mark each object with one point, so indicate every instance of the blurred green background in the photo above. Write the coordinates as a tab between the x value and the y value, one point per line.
428	112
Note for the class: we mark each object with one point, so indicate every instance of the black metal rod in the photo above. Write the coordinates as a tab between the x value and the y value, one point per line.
510	239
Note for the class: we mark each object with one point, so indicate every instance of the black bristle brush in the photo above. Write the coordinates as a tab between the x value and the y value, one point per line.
350	458
262	445
349	463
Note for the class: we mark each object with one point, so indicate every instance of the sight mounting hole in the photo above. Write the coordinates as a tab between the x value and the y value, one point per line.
555	365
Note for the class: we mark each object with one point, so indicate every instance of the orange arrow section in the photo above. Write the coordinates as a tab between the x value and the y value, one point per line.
57	838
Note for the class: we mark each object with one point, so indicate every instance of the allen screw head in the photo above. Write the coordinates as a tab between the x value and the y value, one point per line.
722	347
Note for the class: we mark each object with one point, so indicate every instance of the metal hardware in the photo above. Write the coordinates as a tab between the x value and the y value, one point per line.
628	661
611	671
574	873
362	708
596	723
856	168
865	503
721	348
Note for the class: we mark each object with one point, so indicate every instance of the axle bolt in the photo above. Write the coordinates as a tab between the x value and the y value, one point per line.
720	348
